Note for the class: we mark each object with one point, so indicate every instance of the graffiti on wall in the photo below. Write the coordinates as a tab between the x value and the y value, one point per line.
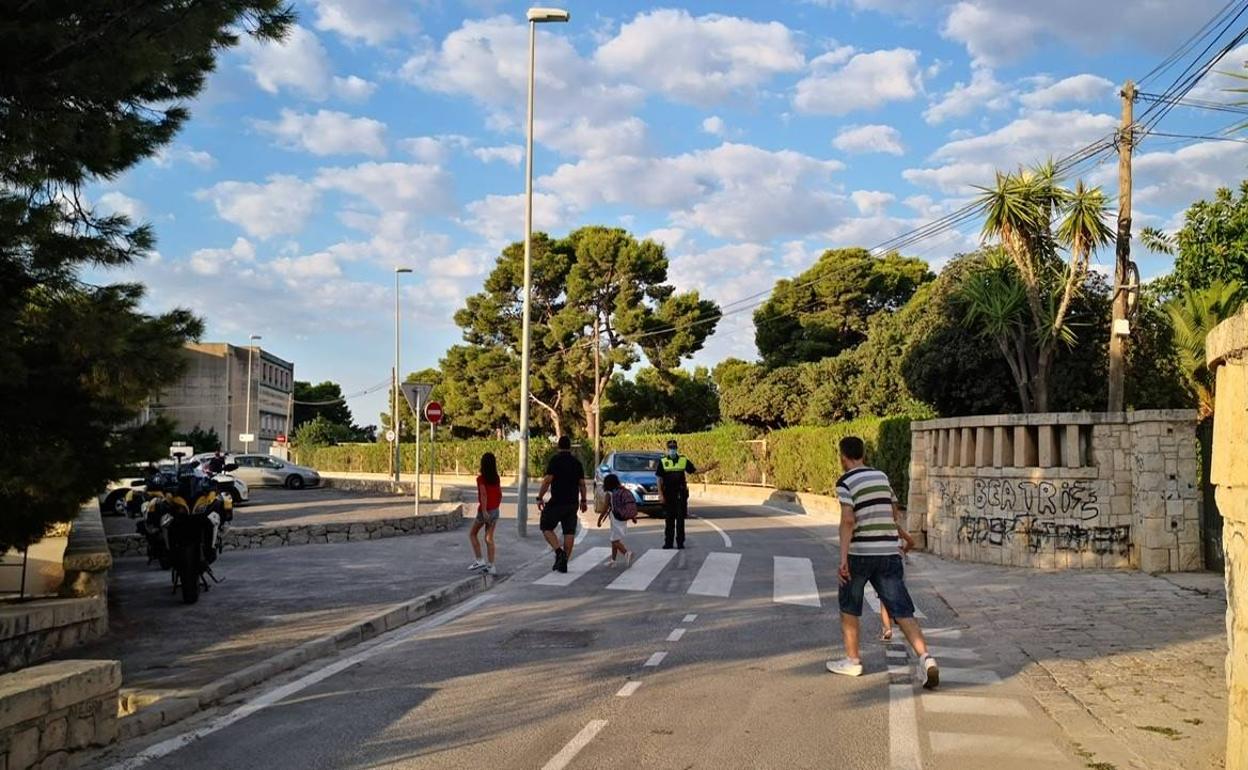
1044	515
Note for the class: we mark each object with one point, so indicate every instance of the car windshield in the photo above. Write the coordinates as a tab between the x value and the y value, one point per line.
635	463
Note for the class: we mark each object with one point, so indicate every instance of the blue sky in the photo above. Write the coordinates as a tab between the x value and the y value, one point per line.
747	137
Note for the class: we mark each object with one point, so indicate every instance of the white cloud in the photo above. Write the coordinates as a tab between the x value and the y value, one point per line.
953	178
372	21
114	202
463	263
354	88
413	187
871	202
870	138
732	191
1185	175
866	81
279	207
328	133
702	60
714	125
298	62
434	149
1040	134
588	139
236	260
167	156
500	218
983	92
511	154
670	237
1216	86
322	264
1078	88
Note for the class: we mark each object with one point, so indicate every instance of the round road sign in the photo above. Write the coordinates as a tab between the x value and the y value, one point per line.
390	436
433	412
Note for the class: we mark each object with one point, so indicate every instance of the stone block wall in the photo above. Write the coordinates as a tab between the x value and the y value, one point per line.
1227	349
34	631
50	710
1059	491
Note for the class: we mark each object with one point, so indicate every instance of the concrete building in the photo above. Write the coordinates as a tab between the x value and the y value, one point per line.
213	394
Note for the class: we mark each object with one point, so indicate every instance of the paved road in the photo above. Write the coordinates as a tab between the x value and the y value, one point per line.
707	658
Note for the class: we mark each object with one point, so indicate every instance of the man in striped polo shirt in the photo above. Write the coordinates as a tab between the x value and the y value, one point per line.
871	553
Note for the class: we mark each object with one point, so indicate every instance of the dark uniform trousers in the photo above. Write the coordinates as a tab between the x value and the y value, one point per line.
675	507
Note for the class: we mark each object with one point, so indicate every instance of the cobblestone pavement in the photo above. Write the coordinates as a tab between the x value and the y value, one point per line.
1131	665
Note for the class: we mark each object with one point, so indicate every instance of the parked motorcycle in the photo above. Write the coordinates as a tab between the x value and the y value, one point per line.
148	503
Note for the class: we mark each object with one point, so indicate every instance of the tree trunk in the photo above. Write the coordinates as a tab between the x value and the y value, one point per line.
1040	385
1017	366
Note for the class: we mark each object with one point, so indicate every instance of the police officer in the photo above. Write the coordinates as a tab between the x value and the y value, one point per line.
674	493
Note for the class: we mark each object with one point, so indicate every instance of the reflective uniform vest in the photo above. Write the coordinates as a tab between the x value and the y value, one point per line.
674	474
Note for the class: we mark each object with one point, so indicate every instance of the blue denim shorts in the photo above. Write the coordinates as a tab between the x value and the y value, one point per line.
886	575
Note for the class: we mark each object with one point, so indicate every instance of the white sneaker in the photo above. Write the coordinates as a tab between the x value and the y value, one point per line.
929	672
476	565
489	569
845	667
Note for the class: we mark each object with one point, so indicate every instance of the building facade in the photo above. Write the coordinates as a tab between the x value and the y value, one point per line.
213	394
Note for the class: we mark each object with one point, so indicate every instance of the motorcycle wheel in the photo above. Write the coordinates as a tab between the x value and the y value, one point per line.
188	574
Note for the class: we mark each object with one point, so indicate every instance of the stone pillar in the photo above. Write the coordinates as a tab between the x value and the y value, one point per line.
1227	349
983	447
916	503
1002	447
1047	450
1025	455
968	448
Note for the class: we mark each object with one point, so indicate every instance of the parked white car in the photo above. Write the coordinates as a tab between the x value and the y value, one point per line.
266	471
113	499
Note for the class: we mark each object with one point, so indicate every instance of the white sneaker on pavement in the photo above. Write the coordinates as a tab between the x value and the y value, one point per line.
845	667
476	565
929	672
490	569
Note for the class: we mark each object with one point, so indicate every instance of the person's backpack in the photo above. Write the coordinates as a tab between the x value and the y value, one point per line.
623	505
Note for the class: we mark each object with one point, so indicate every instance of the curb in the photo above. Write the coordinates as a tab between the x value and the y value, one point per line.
166	711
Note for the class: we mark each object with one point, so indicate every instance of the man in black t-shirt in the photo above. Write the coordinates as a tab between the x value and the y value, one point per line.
564	476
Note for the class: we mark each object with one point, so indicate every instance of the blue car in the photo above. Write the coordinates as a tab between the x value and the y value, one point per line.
636	473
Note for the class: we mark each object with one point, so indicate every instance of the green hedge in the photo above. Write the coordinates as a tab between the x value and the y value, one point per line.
804	459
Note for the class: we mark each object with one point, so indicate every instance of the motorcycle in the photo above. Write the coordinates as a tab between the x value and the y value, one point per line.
148	504
190	517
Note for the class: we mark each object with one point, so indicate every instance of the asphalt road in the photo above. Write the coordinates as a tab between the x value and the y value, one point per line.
712	657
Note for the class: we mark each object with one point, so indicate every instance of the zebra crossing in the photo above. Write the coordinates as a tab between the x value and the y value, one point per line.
793	578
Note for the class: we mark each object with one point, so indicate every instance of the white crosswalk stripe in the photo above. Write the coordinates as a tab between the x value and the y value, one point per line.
1004	747
873	601
973	704
576	568
968	675
952	653
794	582
716	575
643	572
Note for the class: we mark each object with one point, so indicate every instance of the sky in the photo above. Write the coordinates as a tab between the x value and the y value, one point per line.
746	137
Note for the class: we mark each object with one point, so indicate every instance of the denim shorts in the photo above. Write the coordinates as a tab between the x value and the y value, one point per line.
488	517
885	574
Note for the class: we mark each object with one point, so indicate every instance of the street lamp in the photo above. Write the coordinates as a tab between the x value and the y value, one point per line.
394	406
251	347
536	16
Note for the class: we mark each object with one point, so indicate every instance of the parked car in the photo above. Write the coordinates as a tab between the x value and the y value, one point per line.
266	471
636	471
113	499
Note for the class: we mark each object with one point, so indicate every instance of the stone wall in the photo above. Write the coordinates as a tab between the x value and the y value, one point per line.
1227	348
50	710
34	631
244	538
1058	491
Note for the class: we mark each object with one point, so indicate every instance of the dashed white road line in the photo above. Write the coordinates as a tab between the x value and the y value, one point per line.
655	659
574	746
690	618
676	635
628	689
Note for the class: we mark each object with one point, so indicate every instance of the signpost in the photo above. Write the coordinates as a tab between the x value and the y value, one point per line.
433	413
246	439
417	393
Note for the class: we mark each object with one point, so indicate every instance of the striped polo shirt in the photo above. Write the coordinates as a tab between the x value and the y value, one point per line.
868	491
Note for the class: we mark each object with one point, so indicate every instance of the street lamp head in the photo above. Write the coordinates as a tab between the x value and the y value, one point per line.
402	270
541	15
255	337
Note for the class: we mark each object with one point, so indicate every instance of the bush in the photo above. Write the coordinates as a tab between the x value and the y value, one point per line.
807	459
454	456
726	454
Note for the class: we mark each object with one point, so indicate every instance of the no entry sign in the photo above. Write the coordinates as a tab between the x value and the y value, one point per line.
433	412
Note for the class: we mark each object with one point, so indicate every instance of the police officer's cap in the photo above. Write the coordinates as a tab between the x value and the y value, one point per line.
671	443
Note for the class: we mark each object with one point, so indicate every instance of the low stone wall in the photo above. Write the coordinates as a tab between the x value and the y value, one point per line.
31	632
1227	348
49	710
1056	491
87	559
244	538
443	490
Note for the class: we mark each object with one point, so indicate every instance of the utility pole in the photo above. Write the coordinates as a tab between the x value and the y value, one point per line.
1119	331
597	396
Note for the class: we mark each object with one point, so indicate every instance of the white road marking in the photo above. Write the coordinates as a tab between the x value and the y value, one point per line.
873	601
993	745
690	618
675	635
655	659
268	698
942	633
576	568
903	729
717	528
582	531
968	675
952	653
918	613
569	752
716	575
628	689
902	670
643	572
973	704
794	582
896	654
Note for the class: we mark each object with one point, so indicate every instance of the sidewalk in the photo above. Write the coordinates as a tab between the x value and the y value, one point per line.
271	601
1143	657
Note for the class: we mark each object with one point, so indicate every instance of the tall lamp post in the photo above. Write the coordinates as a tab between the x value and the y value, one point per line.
251	348
394	405
536	16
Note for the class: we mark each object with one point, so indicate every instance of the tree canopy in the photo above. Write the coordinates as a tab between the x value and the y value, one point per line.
826	309
1211	247
321	400
661	401
87	90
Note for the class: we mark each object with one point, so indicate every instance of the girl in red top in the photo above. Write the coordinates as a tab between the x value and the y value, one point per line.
489	499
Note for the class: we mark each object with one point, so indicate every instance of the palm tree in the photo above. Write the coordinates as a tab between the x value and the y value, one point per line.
1193	315
1020	212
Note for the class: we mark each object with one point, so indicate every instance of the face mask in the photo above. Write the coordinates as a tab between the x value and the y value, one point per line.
672	453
